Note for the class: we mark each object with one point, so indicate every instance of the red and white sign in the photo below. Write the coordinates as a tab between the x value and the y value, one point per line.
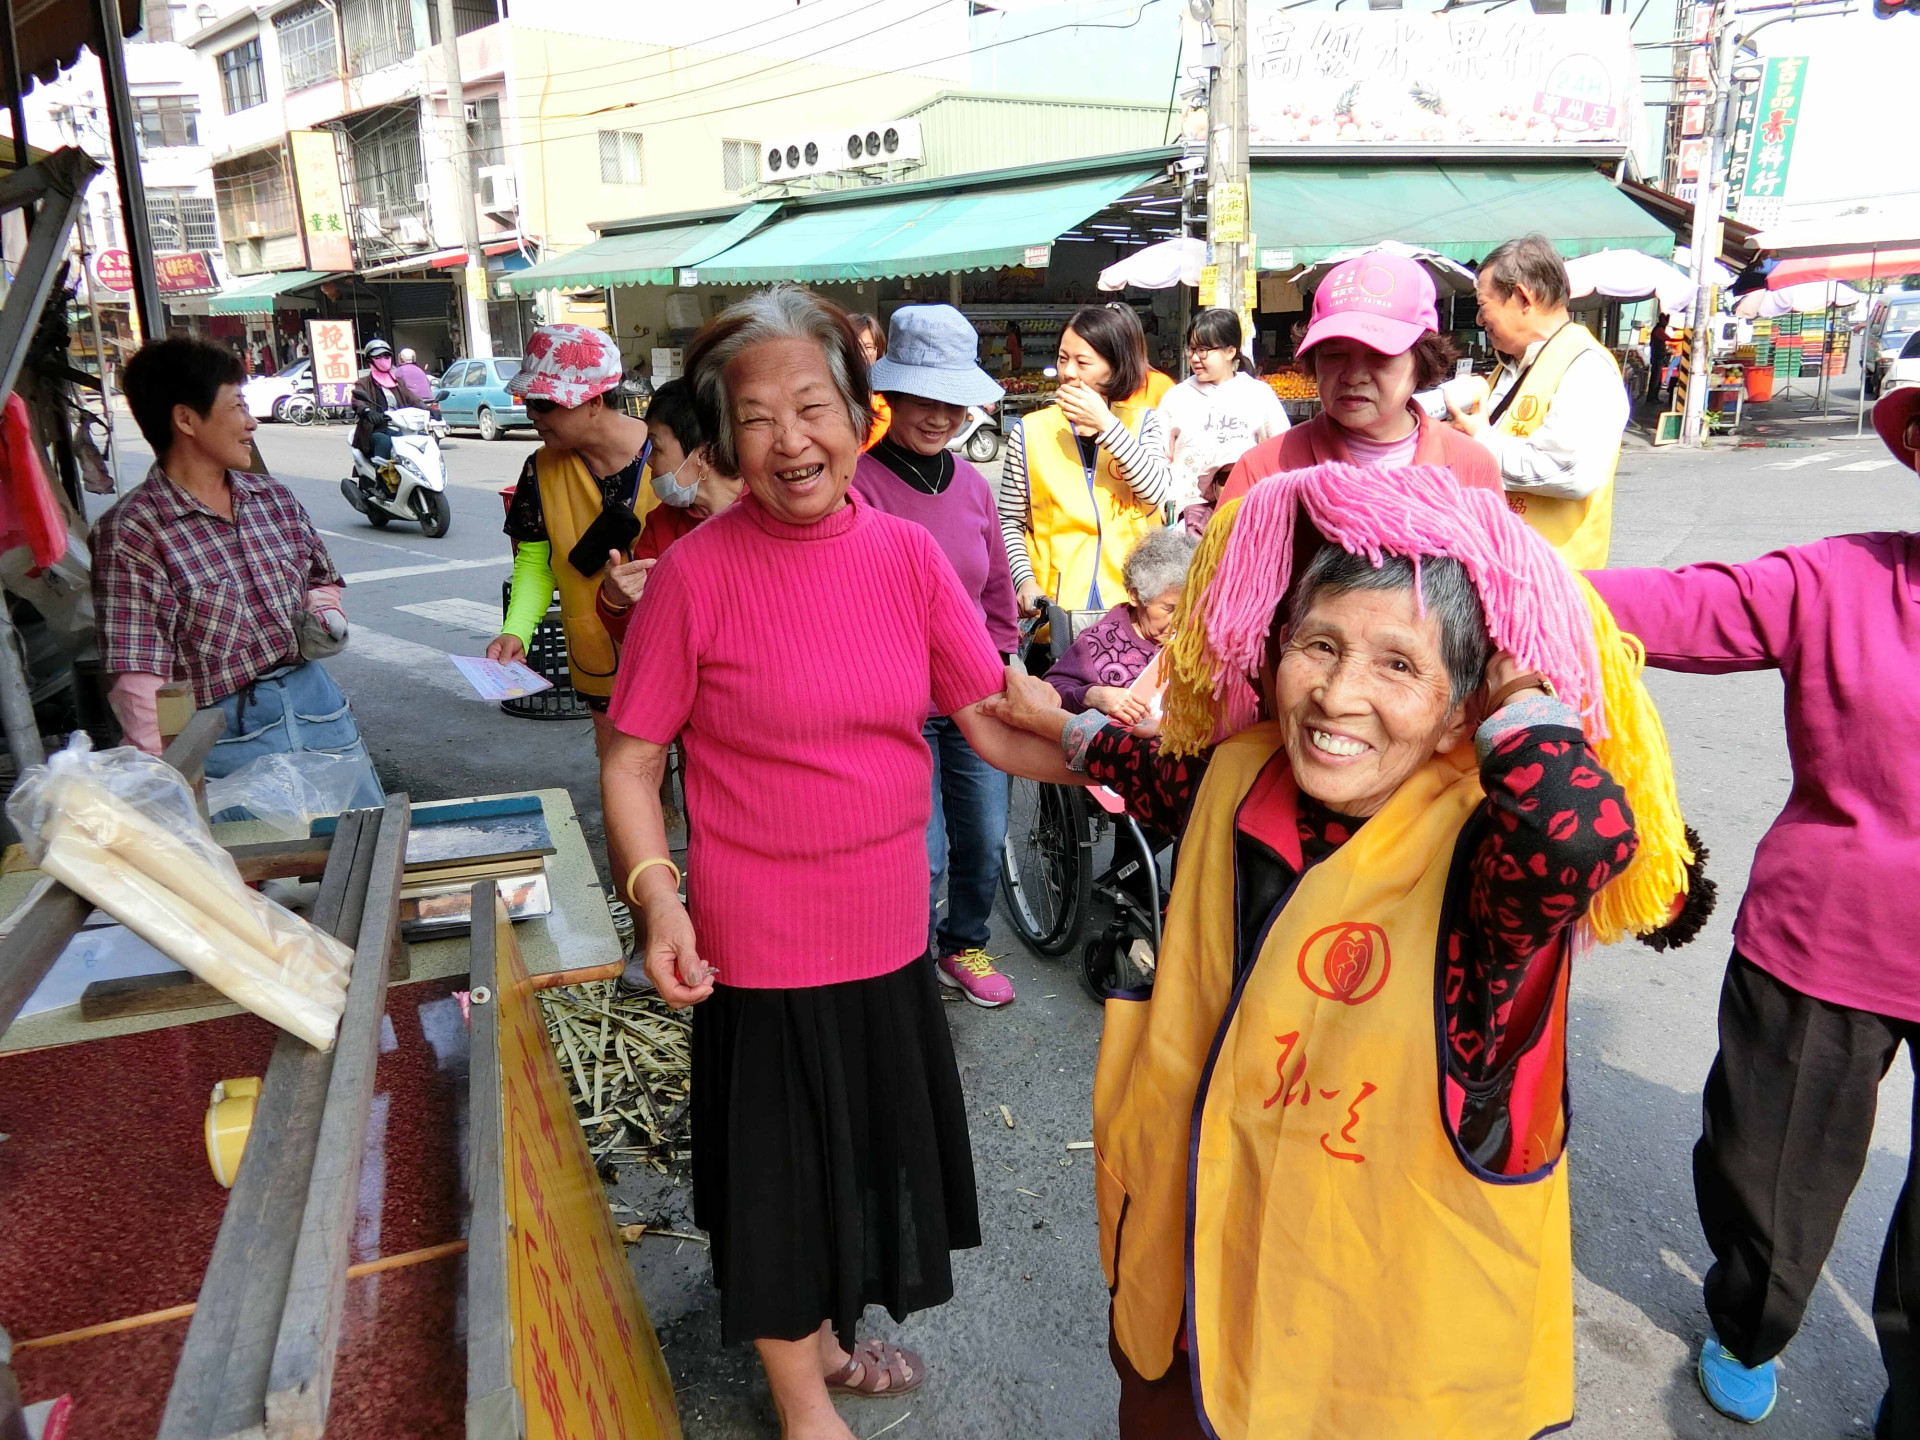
188	272
335	366
113	270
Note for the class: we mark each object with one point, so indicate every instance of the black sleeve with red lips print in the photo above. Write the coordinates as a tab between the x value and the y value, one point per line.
1559	828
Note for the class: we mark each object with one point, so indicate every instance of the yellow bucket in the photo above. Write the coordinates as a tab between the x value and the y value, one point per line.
229	1120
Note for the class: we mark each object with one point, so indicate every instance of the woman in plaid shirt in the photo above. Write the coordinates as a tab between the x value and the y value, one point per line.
209	573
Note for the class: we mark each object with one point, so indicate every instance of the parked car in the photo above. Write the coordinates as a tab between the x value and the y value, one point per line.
474	392
1904	372
267	395
1896	317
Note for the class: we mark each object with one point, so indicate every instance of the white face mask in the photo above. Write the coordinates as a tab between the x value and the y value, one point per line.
672	492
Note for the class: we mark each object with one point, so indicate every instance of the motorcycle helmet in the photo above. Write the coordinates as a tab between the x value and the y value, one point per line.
377	347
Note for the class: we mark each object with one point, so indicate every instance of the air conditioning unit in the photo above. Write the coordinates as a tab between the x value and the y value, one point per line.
472	112
856	147
499	189
410	230
369	218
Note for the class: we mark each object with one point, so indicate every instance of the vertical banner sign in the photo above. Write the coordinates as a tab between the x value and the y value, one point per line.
586	1361
1740	143
323	209
333	359
1775	120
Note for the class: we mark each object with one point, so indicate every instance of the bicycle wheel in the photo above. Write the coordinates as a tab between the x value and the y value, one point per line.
298	410
1046	869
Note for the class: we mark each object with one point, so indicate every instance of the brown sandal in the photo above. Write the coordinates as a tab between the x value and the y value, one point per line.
877	1360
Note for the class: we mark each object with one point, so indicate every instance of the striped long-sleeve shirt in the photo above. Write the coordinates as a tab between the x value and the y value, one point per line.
1141	461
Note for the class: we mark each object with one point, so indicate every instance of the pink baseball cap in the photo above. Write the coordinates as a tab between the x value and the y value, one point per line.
1384	301
567	364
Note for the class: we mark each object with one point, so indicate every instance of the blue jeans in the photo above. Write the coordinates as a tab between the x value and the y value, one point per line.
965	837
285	711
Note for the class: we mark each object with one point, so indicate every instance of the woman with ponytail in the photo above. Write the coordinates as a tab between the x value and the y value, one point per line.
1220	411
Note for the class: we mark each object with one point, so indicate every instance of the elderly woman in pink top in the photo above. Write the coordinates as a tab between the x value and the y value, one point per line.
1824	983
791	644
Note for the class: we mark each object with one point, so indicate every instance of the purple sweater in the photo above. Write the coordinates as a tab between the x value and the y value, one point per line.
964	523
1832	907
1108	652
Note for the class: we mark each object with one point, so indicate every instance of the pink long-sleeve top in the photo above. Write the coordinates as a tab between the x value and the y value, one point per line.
1832	907
794	663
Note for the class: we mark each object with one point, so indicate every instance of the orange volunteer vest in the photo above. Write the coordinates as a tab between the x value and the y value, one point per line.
1081	524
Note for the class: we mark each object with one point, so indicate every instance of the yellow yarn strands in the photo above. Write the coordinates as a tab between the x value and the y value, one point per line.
1641	898
1191	709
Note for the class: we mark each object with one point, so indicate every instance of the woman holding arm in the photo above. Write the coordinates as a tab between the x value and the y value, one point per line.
1824	983
831	1164
1328	1143
1086	477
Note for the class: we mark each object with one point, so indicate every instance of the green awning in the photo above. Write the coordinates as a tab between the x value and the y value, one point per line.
925	235
256	296
643	257
1461	210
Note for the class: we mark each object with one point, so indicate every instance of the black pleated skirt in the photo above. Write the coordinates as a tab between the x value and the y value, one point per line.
831	1165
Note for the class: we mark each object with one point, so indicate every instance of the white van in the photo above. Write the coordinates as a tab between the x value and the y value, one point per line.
1895	319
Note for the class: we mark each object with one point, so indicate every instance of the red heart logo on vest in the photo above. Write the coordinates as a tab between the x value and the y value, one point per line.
1347	962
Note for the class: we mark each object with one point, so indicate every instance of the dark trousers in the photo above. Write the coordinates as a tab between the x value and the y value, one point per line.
1788	1118
1155	1409
965	836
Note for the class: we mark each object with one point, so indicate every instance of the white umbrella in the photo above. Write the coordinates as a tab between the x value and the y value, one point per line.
1631	275
1158	267
1683	259
1812	296
1450	277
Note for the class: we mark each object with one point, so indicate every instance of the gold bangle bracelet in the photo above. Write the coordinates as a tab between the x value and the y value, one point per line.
635	873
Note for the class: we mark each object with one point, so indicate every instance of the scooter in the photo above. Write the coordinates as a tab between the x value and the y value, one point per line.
979	437
412	485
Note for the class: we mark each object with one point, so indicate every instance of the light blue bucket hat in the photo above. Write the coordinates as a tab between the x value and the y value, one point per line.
930	353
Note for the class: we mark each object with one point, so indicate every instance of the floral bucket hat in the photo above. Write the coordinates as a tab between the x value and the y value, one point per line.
568	364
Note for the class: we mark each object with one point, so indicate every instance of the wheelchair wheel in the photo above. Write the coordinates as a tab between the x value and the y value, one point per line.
1046	870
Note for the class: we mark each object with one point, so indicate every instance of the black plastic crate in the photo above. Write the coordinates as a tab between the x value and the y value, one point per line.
547	658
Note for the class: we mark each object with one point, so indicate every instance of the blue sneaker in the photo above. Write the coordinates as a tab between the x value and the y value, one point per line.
1735	1390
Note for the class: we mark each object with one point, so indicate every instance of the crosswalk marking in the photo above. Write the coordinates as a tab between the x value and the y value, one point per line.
1797	462
476	617
424	664
1866	465
402	572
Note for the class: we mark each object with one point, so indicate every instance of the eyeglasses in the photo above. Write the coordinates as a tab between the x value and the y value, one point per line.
1207	349
542	407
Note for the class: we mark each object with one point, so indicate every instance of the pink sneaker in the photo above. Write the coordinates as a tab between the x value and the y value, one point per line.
971	972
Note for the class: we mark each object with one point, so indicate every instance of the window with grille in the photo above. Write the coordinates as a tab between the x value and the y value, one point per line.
739	164
387	171
309	50
621	162
468	16
181	220
255	199
379	33
487	146
167	120
243	83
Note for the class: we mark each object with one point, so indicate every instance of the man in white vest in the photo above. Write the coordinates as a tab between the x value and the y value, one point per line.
1558	406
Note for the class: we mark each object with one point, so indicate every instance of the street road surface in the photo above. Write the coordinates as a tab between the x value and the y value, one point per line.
1021	1350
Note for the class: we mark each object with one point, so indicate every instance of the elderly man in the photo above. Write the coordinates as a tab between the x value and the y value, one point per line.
1558	406
412	376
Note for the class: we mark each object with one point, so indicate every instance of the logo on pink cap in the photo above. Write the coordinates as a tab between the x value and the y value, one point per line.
1384	301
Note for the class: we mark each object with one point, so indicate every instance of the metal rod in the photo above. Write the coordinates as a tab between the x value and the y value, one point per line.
16	88
126	165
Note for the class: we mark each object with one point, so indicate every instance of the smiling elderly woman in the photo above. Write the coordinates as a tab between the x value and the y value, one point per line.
791	643
1327	1144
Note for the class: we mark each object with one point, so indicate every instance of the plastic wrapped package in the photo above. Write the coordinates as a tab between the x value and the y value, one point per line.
120	828
288	791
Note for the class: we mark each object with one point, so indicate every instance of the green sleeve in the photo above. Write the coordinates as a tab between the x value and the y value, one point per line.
532	589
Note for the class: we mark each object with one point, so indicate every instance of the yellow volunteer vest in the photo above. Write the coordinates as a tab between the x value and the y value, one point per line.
570	500
1080	527
1581	530
1353	1277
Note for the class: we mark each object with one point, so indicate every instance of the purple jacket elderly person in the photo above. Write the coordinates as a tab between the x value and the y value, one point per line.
1824	983
928	375
1109	655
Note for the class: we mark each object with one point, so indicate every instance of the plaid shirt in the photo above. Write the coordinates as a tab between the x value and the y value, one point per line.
181	593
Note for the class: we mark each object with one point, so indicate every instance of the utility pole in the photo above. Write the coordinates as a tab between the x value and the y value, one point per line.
1227	161
1729	33
467	192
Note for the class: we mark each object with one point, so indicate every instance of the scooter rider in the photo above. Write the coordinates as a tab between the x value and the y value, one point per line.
378	390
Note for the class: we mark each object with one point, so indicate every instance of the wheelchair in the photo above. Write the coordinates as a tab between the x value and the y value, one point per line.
1050	872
